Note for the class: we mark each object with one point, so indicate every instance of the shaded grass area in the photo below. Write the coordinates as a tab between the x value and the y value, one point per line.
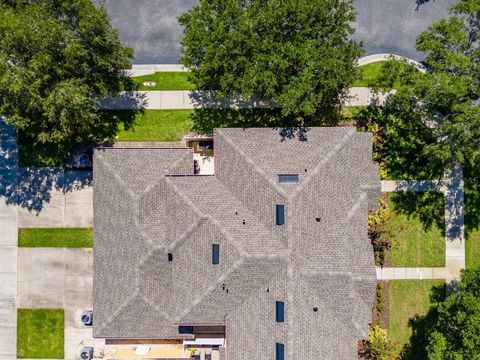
409	315
417	229
472	216
165	81
40	333
369	73
55	237
159	125
472	249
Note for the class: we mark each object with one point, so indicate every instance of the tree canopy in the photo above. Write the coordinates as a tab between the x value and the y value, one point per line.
442	103
456	332
296	53
58	59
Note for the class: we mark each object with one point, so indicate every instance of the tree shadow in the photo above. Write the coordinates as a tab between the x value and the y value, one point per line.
427	206
30	171
213	111
422	326
422	2
472	197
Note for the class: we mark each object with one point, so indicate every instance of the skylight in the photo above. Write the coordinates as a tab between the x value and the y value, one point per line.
279	351
215	254
279	311
280	214
288	178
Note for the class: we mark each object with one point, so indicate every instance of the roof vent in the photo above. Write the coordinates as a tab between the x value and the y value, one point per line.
243	222
170	257
315	309
318	219
86	353
87	318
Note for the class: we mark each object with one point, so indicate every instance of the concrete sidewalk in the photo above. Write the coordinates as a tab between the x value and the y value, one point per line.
453	190
413	185
185	100
8	242
396	273
454	224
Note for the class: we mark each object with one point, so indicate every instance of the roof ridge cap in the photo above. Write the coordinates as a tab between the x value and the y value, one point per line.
210	289
115	174
322	163
119	310
257	168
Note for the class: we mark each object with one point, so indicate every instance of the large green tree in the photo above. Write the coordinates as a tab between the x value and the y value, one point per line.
295	53
441	105
456	331
58	59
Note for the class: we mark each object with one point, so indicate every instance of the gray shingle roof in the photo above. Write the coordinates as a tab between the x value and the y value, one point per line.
147	203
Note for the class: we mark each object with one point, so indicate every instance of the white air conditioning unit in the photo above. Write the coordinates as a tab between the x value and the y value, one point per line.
86	353
87	318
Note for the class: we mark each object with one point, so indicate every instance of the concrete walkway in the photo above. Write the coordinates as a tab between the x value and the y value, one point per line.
185	100
454	224
8	242
413	185
453	190
396	273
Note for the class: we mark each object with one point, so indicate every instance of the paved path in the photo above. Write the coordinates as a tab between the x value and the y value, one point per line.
179	99
59	278
147	69
453	189
8	243
454	223
397	273
413	185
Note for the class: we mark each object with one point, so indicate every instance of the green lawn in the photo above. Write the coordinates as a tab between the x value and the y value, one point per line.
412	245
408	302
369	73
165	81
159	125
55	237
472	248
40	333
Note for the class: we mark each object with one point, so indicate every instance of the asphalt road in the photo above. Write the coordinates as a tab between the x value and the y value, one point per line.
151	26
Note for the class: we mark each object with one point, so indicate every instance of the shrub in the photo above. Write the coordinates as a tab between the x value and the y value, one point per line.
379	226
378	345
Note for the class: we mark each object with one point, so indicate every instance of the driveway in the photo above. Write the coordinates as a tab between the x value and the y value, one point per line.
59	278
52	197
385	26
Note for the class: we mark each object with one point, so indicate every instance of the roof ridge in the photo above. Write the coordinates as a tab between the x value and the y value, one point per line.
322	163
210	289
201	215
117	312
257	168
116	175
